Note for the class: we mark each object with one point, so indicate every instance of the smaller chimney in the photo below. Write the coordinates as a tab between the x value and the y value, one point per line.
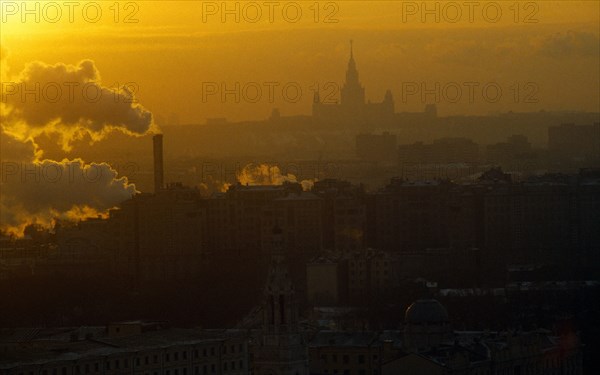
158	162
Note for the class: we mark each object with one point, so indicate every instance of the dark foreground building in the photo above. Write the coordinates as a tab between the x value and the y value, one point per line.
426	345
138	347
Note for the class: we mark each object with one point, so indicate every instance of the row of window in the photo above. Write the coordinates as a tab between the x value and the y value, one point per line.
198	370
117	364
348	372
346	358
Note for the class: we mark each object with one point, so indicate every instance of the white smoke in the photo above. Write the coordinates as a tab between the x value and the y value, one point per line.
39	191
42	191
265	174
69	101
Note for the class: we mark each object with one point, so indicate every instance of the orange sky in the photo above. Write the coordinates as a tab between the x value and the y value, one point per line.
171	50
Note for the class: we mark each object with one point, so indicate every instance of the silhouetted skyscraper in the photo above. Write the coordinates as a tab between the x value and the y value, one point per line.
353	93
353	109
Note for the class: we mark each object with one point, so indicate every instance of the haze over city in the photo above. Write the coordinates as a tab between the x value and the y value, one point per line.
279	187
552	44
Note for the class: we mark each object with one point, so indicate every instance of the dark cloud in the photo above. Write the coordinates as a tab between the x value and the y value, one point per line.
13	150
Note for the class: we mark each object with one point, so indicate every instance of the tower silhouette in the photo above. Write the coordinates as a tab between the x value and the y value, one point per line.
353	109
352	93
281	350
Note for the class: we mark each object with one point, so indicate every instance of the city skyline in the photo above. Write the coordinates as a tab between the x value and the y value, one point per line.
556	50
299	187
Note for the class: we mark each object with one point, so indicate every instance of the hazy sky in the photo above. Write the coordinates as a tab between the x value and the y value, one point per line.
239	60
546	52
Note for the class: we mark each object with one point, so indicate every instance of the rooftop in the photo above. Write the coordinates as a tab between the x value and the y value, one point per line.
426	311
72	343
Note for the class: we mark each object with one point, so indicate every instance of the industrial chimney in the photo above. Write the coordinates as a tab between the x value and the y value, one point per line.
158	162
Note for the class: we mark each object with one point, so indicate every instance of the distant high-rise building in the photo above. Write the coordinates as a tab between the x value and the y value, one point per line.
353	109
352	93
159	236
515	147
344	217
575	141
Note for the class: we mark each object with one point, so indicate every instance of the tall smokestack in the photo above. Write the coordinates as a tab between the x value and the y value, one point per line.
158	162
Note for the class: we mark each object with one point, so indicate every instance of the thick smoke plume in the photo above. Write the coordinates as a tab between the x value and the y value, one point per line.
70	101
40	192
